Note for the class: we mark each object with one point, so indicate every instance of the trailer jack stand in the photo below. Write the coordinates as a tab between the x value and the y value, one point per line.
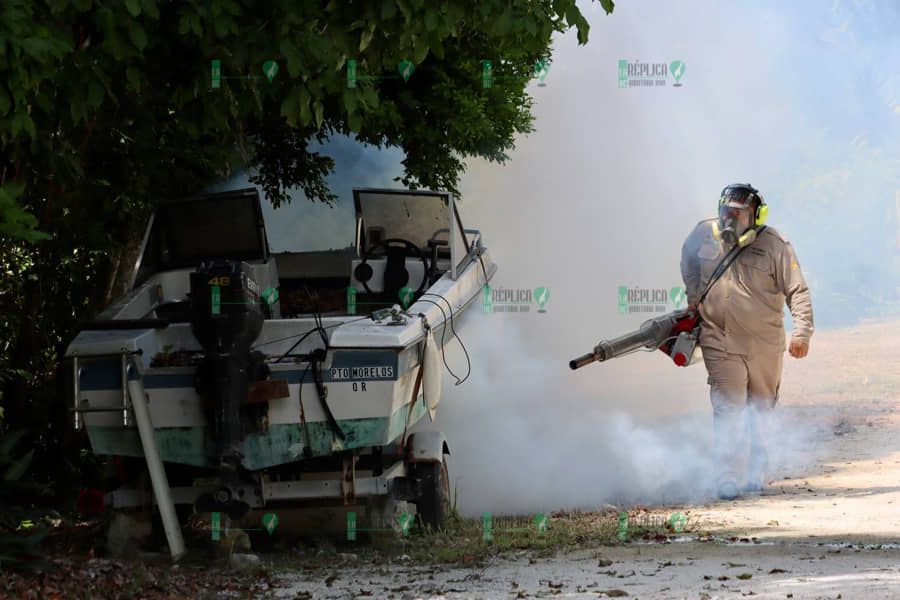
154	464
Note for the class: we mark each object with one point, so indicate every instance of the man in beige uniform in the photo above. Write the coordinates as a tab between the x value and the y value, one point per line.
742	332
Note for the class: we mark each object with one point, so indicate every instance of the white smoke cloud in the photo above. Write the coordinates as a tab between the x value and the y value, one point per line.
603	195
527	435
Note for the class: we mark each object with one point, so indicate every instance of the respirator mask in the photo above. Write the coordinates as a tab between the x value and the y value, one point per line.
734	222
741	211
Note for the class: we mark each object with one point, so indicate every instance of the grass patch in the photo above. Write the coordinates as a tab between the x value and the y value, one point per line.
464	541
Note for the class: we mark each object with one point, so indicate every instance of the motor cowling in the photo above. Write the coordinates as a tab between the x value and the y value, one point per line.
226	313
226	318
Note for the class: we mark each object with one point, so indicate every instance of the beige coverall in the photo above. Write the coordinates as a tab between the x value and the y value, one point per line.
743	340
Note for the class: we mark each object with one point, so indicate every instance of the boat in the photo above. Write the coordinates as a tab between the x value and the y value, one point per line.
246	381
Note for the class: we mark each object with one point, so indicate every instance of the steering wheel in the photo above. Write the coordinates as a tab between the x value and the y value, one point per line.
363	271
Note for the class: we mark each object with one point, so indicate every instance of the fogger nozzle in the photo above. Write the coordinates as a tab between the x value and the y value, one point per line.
651	334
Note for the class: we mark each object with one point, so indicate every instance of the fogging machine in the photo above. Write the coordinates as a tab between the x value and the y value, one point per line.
676	333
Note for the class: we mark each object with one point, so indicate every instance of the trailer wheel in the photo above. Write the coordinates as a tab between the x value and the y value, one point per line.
433	505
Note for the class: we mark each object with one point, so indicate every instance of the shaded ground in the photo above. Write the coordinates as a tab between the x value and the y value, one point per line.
89	578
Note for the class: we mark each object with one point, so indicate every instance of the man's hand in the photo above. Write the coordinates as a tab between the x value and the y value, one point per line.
799	349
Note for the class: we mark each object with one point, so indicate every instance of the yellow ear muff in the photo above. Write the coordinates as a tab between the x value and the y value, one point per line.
715	230
762	211
747	238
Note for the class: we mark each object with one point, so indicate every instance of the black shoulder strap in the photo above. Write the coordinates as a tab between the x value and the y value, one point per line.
725	263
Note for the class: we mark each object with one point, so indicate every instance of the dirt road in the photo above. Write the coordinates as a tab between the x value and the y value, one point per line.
830	530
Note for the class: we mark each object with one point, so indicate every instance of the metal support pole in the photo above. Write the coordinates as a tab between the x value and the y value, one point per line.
124	389
76	390
155	466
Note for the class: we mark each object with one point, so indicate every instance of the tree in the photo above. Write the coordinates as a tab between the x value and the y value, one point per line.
106	107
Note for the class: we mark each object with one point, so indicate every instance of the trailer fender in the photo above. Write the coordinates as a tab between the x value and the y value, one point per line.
427	446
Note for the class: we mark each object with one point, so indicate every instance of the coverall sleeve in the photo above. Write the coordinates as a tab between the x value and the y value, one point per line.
690	266
796	294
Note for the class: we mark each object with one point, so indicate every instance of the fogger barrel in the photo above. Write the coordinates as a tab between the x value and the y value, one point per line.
651	334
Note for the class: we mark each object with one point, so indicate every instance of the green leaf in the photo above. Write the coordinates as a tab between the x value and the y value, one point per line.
232	7
504	23
420	49
431	21
134	7
43	101
288	107
5	102
18	467
305	114
133	76
76	110
437	47
354	122
18	224
221	26
388	9
95	94
293	56
404	8
607	5
366	38
18	124
584	29
9	441
110	35
350	99
370	97
150	8
320	111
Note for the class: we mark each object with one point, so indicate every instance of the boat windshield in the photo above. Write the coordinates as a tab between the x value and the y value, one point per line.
306	226
226	225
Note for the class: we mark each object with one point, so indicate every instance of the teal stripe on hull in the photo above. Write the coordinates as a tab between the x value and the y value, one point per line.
282	444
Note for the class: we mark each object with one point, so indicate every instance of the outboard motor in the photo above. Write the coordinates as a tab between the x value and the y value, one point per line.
226	318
